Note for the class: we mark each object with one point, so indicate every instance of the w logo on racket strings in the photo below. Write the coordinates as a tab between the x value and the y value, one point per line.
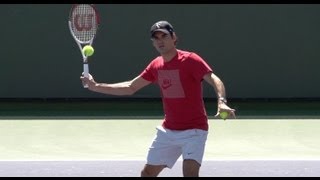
83	22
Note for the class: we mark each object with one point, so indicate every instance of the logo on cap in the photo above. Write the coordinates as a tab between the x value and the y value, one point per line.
163	26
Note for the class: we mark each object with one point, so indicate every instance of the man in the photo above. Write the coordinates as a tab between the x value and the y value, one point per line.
179	75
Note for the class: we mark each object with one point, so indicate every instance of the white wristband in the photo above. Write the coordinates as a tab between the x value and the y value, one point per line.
223	99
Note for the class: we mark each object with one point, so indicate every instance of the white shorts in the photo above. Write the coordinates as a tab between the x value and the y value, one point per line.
168	145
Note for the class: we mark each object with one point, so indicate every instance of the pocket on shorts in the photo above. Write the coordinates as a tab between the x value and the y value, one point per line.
201	132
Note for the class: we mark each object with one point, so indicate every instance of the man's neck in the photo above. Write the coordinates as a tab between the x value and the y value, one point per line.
170	55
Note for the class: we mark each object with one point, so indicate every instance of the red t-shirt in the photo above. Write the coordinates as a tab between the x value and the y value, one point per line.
180	82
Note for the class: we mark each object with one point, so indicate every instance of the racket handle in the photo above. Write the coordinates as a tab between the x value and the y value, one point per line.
85	72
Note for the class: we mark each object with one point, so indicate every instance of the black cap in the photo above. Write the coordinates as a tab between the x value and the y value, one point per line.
163	26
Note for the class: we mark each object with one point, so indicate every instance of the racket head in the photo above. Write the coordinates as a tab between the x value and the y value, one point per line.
84	22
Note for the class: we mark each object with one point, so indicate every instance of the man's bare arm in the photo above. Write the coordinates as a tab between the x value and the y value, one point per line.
121	88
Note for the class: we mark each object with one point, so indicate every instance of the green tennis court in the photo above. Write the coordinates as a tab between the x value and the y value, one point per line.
125	139
98	138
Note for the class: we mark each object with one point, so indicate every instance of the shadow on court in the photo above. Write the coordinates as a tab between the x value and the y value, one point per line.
238	168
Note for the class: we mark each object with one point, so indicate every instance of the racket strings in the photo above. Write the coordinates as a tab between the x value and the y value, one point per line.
84	22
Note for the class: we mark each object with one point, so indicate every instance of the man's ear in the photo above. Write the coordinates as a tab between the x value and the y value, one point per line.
175	38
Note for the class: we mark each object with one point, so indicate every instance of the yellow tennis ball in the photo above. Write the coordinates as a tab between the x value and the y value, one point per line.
224	115
88	50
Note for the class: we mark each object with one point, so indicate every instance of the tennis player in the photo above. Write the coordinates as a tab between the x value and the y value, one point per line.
179	74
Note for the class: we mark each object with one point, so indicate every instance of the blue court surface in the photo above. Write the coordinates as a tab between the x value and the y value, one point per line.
238	168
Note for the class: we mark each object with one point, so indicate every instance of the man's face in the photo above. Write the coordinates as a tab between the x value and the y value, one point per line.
163	42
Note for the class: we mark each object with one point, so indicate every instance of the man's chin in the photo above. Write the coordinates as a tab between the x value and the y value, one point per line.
162	50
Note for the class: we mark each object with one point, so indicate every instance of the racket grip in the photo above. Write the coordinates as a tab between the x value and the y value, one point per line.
85	72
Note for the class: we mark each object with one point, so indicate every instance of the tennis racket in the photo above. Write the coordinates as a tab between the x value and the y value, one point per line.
83	25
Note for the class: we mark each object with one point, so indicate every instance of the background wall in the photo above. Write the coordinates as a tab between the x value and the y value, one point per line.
259	51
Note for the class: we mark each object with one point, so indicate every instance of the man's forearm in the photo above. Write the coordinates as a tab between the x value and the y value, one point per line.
118	89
